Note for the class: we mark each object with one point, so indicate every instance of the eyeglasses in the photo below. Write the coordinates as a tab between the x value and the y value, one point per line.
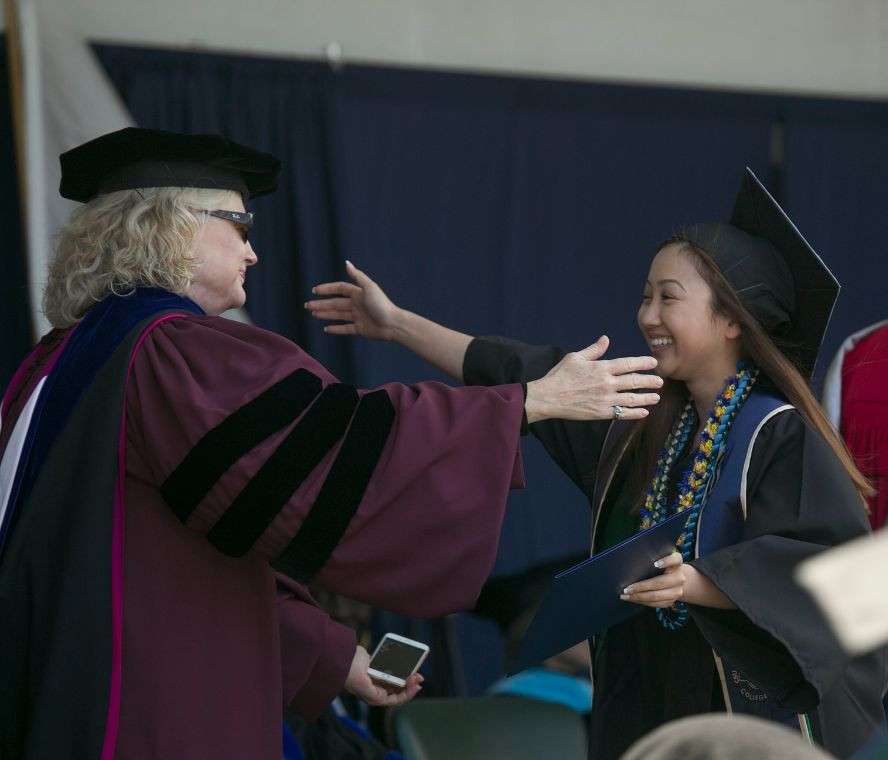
243	220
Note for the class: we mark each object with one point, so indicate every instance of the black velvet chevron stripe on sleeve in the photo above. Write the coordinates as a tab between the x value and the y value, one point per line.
237	434
298	454
342	491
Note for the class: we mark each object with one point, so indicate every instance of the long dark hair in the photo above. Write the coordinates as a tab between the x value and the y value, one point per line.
647	436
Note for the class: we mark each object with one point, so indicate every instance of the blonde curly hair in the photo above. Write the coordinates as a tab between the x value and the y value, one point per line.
123	239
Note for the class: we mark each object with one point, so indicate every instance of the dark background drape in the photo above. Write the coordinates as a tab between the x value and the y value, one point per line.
512	206
836	189
15	330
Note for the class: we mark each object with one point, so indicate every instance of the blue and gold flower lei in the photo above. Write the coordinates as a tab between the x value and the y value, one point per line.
693	484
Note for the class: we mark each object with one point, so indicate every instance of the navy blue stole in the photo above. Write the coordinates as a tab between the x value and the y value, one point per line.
720	524
721	515
91	344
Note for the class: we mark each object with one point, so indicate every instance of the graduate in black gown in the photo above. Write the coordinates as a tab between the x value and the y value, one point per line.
735	314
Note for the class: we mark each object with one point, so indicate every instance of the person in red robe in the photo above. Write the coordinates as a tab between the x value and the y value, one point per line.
171	479
855	394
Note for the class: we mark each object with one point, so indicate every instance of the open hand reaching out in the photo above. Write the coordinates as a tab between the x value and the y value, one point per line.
361	305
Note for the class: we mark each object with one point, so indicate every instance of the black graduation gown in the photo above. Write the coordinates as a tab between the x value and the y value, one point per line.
799	501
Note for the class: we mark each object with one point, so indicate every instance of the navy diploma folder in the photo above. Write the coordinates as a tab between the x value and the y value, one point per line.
585	599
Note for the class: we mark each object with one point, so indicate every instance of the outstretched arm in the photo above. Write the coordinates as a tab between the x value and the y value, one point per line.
580	387
366	310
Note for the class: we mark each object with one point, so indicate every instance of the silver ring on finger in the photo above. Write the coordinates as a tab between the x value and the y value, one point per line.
618	411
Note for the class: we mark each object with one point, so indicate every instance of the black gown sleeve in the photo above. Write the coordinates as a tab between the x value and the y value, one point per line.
800	501
574	446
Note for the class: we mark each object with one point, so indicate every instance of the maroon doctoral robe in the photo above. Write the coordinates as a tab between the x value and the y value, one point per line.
216	508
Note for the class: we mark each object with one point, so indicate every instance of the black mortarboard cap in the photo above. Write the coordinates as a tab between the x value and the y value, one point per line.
777	275
134	157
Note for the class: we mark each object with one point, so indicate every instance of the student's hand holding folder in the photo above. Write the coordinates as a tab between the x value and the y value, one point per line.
588	598
661	590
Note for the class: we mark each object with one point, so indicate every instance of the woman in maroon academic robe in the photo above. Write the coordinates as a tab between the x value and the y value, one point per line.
171	479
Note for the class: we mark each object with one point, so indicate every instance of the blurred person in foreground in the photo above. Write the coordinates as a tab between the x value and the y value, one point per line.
723	737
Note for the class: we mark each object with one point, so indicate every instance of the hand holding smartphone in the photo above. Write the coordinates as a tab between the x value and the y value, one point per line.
396	658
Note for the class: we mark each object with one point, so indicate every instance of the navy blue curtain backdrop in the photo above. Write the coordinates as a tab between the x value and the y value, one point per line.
836	190
512	206
15	335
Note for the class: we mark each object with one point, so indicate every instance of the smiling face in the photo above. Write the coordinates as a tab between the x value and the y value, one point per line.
221	259
690	342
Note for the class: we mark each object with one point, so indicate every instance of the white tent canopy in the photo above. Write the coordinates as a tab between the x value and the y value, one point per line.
812	47
791	46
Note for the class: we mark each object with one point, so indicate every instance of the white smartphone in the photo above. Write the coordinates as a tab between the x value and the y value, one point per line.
395	658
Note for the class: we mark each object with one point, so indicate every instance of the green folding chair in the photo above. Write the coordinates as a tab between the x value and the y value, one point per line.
488	728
